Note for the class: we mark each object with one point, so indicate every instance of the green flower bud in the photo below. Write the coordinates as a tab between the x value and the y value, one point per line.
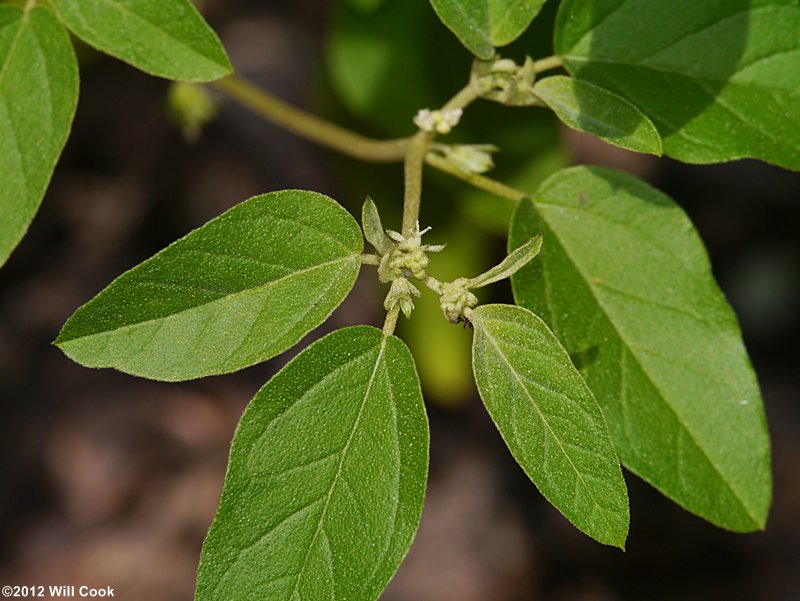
190	107
504	81
402	293
470	158
455	299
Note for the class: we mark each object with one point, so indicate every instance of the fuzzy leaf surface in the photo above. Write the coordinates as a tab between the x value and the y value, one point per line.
591	109
515	261
549	419
241	289
373	228
718	78
38	96
625	283
167	38
326	480
481	25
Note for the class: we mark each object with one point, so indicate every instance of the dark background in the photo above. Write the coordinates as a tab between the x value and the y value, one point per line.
112	480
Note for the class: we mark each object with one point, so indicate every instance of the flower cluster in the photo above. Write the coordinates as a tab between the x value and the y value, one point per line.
503	80
456	299
401	292
407	256
469	158
442	122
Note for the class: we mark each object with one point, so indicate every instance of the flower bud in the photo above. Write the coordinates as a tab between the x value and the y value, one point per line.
455	299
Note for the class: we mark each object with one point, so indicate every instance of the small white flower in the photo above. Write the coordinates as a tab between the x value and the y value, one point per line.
441	121
449	119
424	119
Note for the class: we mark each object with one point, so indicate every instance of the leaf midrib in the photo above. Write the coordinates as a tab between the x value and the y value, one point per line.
656	385
729	82
521	383
594	26
338	474
642	63
239	461
253	289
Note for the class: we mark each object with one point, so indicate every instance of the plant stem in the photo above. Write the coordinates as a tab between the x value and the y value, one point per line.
415	159
327	134
412	172
391	320
308	126
463	98
434	284
546	64
368	259
478	181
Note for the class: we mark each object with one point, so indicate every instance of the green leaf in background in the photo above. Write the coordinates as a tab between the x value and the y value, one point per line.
326	480
719	79
593	110
481	25
624	281
365	6
549	419
38	96
236	291
167	38
378	75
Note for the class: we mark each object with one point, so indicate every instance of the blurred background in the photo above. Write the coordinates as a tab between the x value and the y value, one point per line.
112	480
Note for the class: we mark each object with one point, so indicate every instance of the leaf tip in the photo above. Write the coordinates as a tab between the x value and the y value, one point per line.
656	147
485	54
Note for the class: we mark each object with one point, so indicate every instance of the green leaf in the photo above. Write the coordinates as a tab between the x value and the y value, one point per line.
167	38
239	290
591	109
515	261
326	480
625	283
373	228
719	79
549	419
483	24
38	96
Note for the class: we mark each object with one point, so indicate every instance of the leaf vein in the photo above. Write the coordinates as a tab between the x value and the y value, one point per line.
544	420
338	475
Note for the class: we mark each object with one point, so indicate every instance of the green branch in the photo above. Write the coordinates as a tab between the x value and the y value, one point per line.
412	151
308	126
475	180
412	172
415	159
547	64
